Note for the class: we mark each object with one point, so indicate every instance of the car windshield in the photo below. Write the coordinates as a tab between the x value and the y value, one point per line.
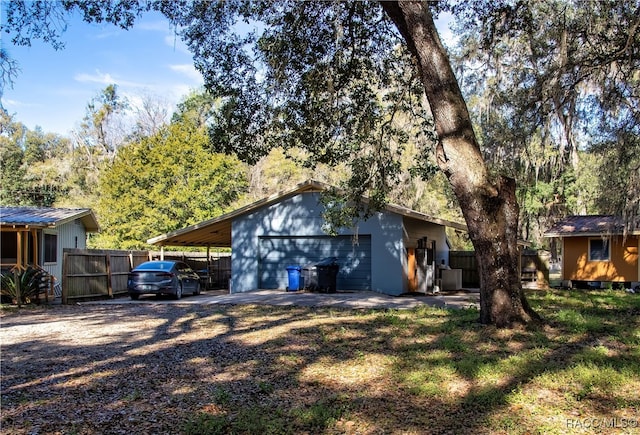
156	265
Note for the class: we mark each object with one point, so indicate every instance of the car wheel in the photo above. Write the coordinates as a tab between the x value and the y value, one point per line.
197	290
134	297
178	294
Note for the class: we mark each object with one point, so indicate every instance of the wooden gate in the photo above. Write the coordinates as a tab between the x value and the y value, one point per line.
91	273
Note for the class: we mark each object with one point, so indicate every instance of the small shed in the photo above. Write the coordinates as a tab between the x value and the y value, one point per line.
37	236
382	253
595	251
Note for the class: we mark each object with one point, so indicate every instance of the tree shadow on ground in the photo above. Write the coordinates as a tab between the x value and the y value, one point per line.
255	369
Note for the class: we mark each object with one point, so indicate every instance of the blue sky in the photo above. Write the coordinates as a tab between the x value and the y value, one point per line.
53	87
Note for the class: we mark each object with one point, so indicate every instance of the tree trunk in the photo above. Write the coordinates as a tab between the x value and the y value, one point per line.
489	204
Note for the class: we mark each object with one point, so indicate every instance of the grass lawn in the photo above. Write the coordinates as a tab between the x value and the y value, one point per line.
292	370
431	370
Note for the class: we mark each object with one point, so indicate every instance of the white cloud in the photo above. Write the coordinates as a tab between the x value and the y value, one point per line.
106	34
105	79
173	40
18	104
189	71
98	77
179	91
155	25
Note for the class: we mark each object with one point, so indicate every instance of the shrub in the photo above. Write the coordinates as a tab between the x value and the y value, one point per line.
30	281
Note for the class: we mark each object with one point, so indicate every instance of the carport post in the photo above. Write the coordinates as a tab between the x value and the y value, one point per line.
208	265
162	253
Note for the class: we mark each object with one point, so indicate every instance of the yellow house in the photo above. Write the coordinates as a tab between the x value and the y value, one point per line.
594	250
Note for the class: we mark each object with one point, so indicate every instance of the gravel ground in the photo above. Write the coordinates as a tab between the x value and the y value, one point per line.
147	368
103	369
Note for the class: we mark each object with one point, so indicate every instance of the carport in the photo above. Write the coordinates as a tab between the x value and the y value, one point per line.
214	235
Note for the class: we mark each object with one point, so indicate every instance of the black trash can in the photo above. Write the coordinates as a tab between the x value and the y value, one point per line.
321	276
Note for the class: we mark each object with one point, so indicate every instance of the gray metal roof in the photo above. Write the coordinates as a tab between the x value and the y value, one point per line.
592	225
39	217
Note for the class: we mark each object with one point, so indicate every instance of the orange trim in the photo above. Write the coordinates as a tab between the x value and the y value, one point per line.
411	270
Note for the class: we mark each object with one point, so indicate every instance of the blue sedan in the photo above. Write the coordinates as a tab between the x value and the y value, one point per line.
162	277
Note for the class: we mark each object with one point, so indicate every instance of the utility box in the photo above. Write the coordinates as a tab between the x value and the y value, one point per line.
451	279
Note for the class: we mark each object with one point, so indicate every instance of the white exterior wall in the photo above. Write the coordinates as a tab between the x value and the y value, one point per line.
69	235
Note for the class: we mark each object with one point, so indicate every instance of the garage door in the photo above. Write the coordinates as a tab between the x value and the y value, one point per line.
276	253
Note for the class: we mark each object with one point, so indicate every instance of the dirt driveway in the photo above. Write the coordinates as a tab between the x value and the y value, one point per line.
149	366
341	299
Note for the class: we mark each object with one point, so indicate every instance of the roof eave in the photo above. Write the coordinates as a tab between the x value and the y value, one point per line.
307	186
88	219
550	235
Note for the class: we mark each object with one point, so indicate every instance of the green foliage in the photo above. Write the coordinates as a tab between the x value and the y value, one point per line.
12	184
198	107
557	78
163	183
330	79
23	286
617	165
97	126
22	152
11	157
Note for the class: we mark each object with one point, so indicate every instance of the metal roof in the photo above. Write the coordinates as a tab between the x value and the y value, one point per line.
216	232
39	217
592	225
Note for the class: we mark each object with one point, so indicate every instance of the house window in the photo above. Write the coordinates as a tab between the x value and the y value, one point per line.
599	250
9	247
50	248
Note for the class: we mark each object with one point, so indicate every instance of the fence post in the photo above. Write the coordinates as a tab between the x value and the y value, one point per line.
108	264
65	279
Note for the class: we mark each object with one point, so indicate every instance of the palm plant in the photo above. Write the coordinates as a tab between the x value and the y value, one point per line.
23	285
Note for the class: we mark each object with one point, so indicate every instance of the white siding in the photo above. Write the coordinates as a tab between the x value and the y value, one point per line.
70	235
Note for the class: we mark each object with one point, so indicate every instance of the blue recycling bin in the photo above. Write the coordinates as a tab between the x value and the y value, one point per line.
294	278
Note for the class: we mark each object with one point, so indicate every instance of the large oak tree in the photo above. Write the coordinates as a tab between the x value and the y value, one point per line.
488	202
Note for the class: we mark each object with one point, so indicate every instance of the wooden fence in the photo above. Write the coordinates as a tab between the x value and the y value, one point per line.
534	267
90	273
465	260
215	270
